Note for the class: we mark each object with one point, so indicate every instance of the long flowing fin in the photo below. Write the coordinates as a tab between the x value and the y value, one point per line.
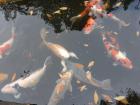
106	84
72	54
48	61
43	33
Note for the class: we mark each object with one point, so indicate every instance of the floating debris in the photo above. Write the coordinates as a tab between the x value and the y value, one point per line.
118	4
57	12
13	77
83	88
49	16
31	12
85	45
3	77
107	98
137	33
91	64
63	8
78	82
116	33
122	99
96	97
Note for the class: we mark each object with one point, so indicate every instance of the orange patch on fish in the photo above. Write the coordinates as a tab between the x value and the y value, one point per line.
13	77
3	76
79	66
60	88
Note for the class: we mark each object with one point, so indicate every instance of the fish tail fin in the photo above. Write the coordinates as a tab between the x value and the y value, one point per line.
72	54
122	23
43	34
47	61
75	18
17	95
106	84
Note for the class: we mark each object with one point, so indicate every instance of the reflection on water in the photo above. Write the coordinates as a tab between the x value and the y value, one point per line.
46	10
28	52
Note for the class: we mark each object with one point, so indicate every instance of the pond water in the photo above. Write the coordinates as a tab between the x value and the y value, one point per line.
28	53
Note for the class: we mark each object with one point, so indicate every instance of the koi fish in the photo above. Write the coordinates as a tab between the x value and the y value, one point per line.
63	85
112	39
6	46
25	82
99	11
88	5
58	50
118	56
115	18
89	26
86	77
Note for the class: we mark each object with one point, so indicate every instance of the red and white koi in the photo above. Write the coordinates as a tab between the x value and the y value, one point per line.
97	10
88	5
6	46
118	56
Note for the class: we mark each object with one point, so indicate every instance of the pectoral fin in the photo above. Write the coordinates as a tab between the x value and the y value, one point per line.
115	63
17	95
124	53
70	88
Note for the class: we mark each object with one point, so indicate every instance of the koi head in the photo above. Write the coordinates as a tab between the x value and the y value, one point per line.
123	60
8	89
